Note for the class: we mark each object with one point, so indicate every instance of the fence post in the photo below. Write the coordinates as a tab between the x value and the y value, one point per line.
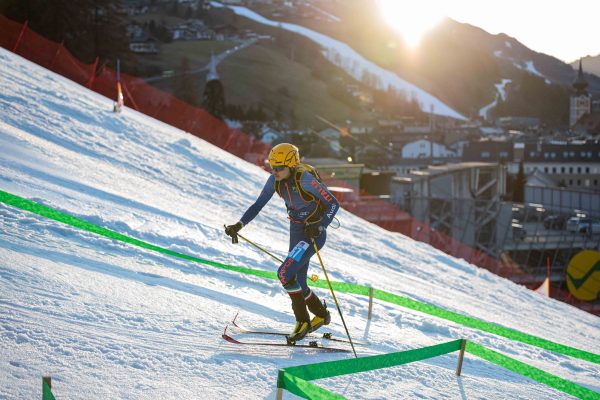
370	303
23	29
90	82
461	356
47	388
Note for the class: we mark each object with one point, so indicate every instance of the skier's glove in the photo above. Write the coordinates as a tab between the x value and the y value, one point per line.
313	230
232	231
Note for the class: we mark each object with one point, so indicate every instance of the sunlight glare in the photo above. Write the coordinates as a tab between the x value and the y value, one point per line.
411	19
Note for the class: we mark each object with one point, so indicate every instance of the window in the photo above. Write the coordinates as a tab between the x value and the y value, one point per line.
587	170
572	154
504	154
553	155
570	170
546	155
546	169
553	170
485	154
562	170
570	182
578	182
578	170
595	182
565	154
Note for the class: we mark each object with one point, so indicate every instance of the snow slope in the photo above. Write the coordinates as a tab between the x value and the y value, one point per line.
345	57
109	320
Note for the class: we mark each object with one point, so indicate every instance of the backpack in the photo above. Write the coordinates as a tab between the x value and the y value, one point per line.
298	170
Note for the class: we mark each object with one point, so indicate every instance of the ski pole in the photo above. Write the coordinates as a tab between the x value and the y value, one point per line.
313	277
334	298
260	248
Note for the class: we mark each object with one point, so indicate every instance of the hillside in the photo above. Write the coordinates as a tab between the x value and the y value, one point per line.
458	63
108	319
259	76
591	64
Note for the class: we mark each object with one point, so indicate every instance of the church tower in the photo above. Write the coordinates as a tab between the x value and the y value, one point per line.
581	100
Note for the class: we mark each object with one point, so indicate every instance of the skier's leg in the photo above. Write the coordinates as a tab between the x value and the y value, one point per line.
292	275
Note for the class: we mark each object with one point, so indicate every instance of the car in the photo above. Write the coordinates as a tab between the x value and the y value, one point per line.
555	222
573	223
588	226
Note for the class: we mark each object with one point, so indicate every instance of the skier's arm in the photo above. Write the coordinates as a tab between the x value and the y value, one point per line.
260	202
312	185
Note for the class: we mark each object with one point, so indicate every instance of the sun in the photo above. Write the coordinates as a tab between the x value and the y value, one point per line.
412	19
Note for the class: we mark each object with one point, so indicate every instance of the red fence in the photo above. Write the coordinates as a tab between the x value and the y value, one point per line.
138	94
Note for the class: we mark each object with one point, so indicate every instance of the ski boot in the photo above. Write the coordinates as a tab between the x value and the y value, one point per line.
322	315
303	326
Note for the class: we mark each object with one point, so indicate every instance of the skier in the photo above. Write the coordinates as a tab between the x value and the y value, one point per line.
311	208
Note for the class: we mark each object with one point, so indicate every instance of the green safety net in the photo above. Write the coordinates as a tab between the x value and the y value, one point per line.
531	372
46	391
430	309
295	379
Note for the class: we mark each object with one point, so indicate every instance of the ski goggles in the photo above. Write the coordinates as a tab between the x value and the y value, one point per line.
278	168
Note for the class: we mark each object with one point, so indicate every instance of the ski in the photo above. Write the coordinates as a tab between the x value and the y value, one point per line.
310	345
324	335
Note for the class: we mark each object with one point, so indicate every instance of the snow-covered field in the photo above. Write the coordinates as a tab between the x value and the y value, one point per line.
109	320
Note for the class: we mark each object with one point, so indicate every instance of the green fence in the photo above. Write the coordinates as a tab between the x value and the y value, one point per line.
296	379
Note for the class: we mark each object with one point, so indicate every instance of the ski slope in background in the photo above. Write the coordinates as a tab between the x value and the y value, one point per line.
109	320
345	57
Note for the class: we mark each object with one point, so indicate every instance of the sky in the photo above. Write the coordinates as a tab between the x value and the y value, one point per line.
565	30
106	319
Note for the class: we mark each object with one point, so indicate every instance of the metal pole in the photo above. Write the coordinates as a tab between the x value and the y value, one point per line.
334	298
370	303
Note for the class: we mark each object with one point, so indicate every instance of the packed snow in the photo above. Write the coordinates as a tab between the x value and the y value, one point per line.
500	94
109	320
345	57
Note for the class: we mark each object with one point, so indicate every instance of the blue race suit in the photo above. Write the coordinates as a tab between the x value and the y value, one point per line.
292	272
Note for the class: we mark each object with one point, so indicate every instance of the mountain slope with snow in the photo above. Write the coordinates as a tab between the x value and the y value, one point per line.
107	319
356	65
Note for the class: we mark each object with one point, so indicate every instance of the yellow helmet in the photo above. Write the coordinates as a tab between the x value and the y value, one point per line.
284	155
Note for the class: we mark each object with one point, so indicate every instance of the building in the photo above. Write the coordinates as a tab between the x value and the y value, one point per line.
581	100
462	201
144	45
423	148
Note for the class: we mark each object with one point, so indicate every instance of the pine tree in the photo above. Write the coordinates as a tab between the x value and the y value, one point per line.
185	84
88	28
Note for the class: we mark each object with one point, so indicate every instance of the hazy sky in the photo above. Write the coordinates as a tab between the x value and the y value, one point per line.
566	30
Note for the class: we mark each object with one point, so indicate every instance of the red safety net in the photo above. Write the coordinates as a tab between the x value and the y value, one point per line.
138	94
